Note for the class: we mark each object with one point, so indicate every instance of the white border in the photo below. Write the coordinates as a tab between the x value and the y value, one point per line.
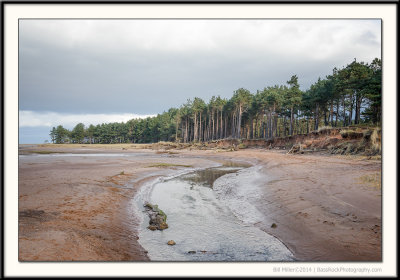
13	12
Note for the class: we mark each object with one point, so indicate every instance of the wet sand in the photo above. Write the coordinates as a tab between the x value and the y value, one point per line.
79	207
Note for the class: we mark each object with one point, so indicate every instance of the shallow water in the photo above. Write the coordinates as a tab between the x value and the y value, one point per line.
207	177
74	155
202	223
86	155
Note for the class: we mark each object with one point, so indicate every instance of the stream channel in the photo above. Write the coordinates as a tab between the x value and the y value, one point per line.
210	215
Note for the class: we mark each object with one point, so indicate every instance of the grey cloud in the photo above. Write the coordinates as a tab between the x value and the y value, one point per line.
102	70
368	38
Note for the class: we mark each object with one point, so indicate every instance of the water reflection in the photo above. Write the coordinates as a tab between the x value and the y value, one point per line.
208	176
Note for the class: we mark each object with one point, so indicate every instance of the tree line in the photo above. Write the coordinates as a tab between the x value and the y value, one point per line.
349	96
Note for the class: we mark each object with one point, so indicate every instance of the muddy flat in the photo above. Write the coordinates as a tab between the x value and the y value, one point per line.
76	202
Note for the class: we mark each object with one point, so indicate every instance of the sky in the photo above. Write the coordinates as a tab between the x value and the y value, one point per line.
100	71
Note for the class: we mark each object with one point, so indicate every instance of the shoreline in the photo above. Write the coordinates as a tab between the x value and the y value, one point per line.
287	199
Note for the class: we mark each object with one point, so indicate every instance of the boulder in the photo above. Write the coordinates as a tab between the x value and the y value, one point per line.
157	217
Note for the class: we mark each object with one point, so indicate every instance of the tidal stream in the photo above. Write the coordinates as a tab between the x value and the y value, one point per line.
210	217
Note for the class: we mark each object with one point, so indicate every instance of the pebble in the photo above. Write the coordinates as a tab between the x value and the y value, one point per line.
171	242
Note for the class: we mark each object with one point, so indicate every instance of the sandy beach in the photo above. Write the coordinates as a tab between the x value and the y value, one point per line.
79	207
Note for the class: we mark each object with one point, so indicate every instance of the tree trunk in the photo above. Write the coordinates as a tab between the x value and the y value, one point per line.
337	113
284	126
271	125
187	131
344	110
176	130
291	121
221	127
239	121
195	127
351	110
201	131
316	117
209	128
226	125
251	129
356	117
182	132
358	108
217	127
233	125
192	133
213	126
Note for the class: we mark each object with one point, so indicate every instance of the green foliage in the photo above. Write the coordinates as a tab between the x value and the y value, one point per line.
78	133
349	96
61	134
242	146
293	94
53	134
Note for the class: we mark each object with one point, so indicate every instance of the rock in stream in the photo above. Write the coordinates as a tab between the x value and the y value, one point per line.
158	219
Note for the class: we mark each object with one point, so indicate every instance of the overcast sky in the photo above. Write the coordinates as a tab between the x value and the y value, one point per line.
95	71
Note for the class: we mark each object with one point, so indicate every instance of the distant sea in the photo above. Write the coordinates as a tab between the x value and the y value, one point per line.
34	135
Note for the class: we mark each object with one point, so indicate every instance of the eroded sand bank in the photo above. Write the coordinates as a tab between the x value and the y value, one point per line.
79	207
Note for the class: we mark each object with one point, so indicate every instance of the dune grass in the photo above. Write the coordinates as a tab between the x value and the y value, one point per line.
372	180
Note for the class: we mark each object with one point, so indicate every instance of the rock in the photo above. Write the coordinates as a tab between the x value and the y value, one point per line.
171	242
273	225
192	252
151	227
157	217
162	226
